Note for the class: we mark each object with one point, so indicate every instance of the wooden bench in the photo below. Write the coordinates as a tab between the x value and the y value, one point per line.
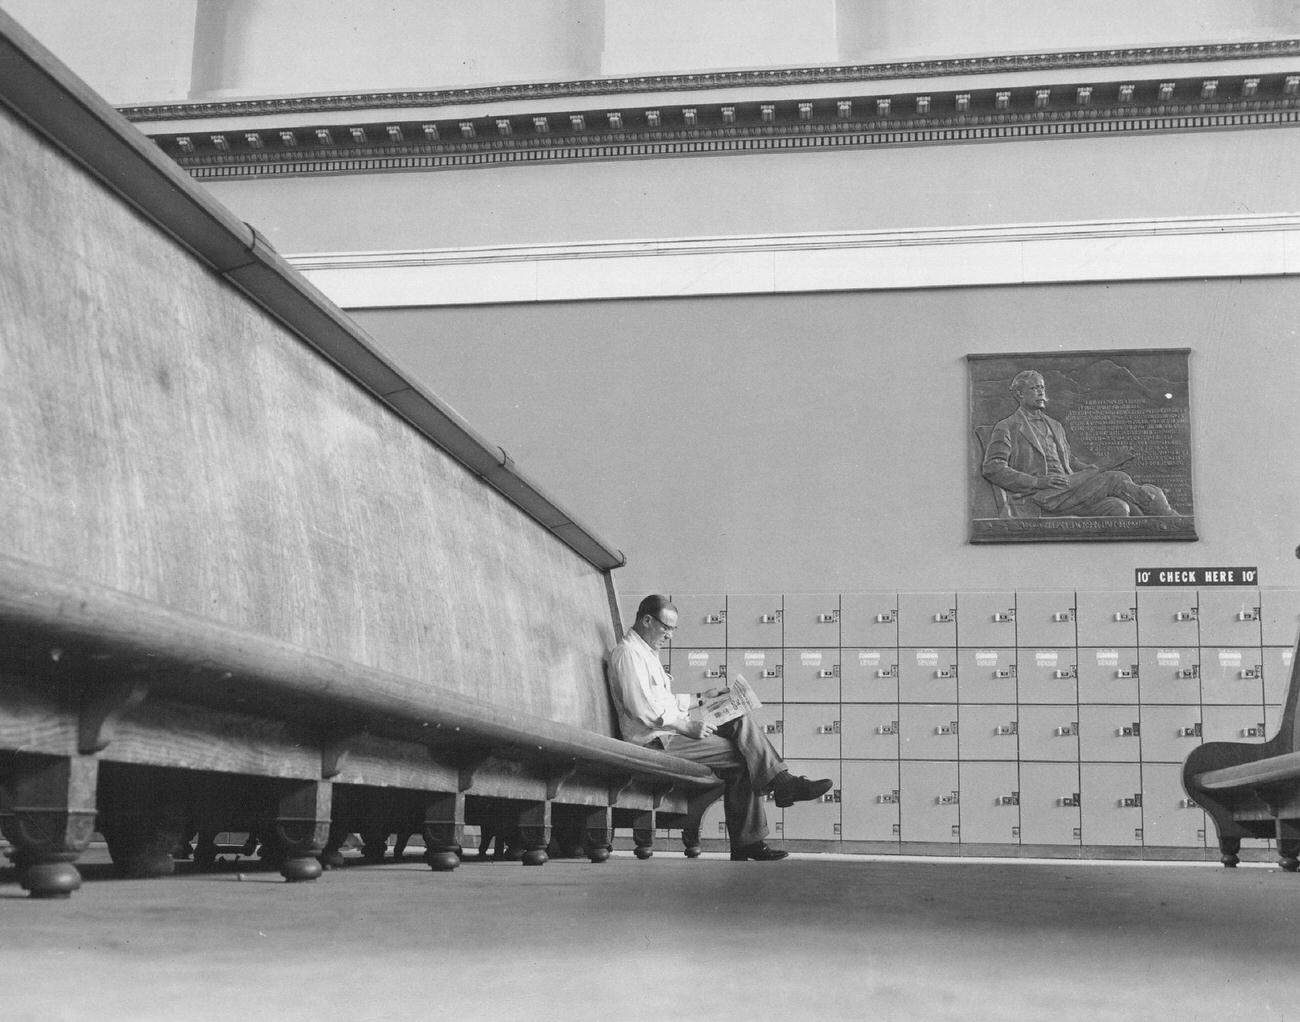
252	576
1253	789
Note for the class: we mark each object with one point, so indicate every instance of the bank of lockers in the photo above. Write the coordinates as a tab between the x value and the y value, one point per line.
1048	718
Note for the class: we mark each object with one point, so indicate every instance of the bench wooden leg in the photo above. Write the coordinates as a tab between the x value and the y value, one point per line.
301	828
598	834
1288	845
47	811
1228	848
535	833
443	830
643	834
142	815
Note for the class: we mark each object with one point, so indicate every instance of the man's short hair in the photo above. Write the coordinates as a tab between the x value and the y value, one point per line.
1023	377
653	605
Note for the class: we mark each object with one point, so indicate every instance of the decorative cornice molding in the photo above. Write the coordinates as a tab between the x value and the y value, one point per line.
785	77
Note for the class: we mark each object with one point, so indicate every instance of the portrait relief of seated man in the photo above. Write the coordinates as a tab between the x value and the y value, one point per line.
1028	456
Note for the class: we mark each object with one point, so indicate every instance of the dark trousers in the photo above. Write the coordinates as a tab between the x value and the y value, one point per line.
742	757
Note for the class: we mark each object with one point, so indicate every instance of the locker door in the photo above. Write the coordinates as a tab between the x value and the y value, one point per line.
1279	616
1111	809
754	620
927	731
1232	675
1049	804
763	669
819	820
1047	675
986	619
1230	617
869	731
701	620
1169	674
986	675
1169	733
1108	675
927	675
987	731
1169	818
930	808
1106	618
869	675
1168	617
927	619
812	620
869	801
869	619
1049	733
1045	619
1109	734
1233	724
812	731
812	675
1277	673
697	670
990	803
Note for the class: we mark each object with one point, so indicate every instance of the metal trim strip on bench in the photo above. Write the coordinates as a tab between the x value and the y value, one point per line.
100	633
1272	770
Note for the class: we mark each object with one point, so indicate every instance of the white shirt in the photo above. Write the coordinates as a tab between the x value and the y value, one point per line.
642	691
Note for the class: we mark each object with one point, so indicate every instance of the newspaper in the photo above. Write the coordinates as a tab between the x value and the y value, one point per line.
735	701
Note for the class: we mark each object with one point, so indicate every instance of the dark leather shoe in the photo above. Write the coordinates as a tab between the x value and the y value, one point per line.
788	789
759	852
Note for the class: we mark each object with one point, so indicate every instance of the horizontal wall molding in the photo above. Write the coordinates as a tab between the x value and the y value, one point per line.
1093	251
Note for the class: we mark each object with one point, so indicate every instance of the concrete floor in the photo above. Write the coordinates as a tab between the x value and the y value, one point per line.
813	937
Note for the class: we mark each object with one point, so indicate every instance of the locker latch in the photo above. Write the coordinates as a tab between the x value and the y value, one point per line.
716	672
1010	728
947	800
831	796
1251	673
720	618
946	729
887	618
775	728
1126	615
950	672
1190	732
770	619
1005	672
770	672
1248	615
888	729
1189	672
1067	730
833	728
1188	803
1134	730
890	798
1135	802
1008	800
1127	672
946	617
828	619
1003	616
829	672
1070	801
1253	732
1190	614
1067	672
888	672
1064	615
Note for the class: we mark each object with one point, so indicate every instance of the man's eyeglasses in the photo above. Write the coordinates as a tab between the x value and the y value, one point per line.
667	628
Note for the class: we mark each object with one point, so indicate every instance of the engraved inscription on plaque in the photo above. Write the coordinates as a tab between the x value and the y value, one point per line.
1080	446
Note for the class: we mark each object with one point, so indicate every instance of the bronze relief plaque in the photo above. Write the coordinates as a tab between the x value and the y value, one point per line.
1080	445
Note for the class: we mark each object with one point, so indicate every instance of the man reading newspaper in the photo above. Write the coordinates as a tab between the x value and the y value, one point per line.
736	750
